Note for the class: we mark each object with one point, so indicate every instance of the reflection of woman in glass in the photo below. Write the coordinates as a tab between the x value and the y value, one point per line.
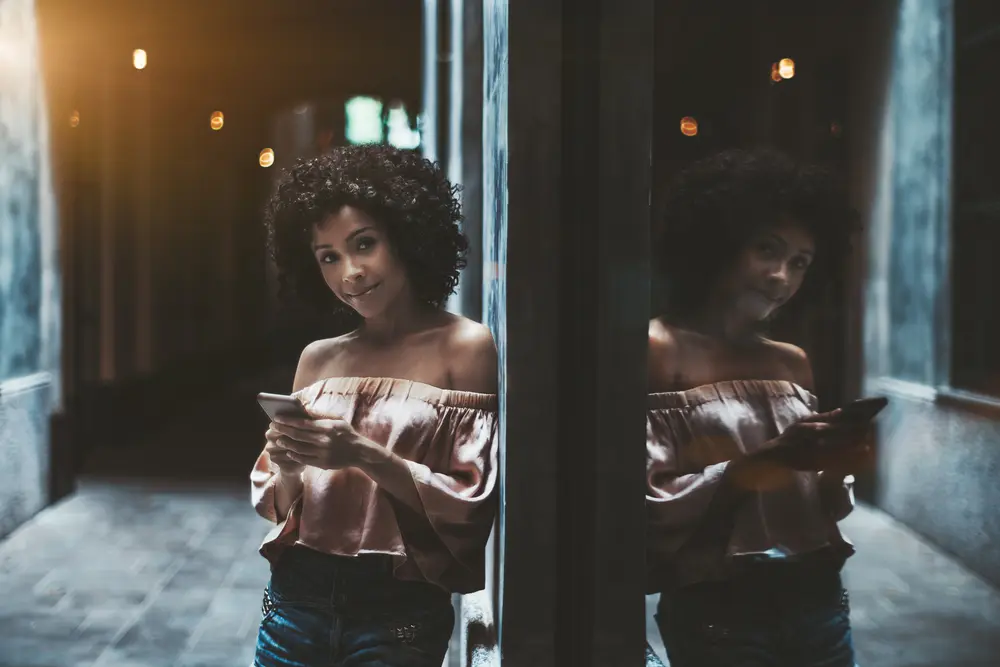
746	482
384	496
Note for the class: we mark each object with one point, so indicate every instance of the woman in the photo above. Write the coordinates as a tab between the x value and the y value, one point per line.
746	483
384	497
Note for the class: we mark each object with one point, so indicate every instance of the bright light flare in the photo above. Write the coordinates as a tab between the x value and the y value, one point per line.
689	126
786	68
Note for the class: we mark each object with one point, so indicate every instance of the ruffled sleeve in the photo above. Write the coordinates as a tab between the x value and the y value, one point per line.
677	497
837	496
456	483
263	478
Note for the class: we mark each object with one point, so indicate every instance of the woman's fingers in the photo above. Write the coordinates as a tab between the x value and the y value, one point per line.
299	434
831	416
298	447
282	458
838	431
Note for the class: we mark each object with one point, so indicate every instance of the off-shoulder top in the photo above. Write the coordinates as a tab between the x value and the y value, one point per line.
696	534
449	441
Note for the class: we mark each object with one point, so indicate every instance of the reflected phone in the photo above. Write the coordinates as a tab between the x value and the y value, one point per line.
275	405
864	409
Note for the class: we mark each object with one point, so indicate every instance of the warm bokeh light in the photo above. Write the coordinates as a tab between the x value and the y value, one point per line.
689	126
74	119
775	74
218	120
139	59
786	68
836	129
266	157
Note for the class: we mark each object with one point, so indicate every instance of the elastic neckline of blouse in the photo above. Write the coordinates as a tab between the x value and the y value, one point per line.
384	387
739	390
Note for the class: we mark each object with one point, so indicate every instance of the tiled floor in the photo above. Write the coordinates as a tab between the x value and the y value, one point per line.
134	575
137	569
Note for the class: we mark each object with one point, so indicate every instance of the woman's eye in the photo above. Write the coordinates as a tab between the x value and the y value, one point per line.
366	243
800	264
327	259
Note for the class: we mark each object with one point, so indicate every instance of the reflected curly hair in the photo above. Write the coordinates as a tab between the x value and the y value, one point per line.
716	206
408	195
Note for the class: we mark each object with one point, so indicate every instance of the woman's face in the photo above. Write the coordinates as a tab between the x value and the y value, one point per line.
769	270
358	263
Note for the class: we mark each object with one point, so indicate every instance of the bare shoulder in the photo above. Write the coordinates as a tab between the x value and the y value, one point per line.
472	356
794	361
662	358
318	358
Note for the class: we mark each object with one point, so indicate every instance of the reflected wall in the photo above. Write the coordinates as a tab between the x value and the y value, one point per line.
939	445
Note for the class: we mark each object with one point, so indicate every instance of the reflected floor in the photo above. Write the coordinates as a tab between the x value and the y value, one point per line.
912	604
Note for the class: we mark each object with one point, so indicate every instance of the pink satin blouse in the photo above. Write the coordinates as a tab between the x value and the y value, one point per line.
449	440
690	438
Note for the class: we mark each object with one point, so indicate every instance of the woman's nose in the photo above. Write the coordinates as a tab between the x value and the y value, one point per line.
778	273
353	271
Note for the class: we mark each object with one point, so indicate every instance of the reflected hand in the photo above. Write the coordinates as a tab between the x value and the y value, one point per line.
824	442
821	442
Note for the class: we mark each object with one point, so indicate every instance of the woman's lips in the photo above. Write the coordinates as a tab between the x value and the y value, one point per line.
365	293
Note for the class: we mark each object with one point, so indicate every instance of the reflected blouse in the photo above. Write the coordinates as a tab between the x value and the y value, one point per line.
694	533
449	441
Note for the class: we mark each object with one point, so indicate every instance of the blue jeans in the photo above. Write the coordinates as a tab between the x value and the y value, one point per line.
335	611
778	620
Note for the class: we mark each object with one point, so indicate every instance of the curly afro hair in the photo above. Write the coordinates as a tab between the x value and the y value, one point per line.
716	206
405	193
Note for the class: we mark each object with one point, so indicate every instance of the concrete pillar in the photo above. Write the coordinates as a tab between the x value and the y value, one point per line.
567	128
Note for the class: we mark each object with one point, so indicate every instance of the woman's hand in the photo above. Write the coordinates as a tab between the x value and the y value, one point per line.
332	444
279	456
329	444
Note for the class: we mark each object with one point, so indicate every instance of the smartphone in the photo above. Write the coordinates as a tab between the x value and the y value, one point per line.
276	405
864	409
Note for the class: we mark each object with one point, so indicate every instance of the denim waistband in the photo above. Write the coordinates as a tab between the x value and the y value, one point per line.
306	574
770	580
362	565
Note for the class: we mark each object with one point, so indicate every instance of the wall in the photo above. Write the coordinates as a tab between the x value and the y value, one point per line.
493	203
29	331
939	448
